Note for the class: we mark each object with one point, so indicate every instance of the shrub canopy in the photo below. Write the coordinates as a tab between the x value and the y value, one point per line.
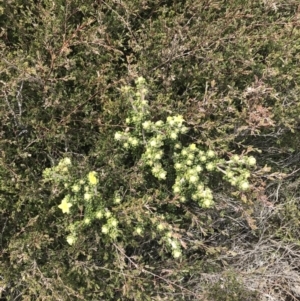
85	216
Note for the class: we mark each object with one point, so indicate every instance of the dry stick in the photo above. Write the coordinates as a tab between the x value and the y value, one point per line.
19	96
10	108
155	275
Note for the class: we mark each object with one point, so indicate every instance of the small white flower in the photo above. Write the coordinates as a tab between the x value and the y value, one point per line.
200	188
169	234
71	239
117	200
125	88
146	125
191	156
178	165
153	143
162	175
159	123
134	142
184	152
113	222
233	181
139	230
173	136
173	244
118	136
251	161
87	221
195	196
229	174
199	168
184	130
206	193
160	227
140	81
67	161
75	188
150	162
210	166
246	174
87	196
99	214
178	119
144	91
244	186
176	253
235	158
176	189
155	169
183	199
104	229
158	156
172	123
107	214
207	203
189	162
203	158
210	154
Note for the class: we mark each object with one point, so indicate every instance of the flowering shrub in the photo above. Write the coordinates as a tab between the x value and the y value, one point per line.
192	165
229	68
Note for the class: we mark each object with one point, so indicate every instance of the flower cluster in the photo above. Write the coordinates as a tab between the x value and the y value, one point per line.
82	192
169	235
58	173
192	164
236	171
189	169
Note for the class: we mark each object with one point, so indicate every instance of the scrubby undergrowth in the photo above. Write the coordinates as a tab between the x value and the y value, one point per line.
226	73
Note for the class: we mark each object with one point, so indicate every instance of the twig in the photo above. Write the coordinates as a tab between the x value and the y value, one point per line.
155	275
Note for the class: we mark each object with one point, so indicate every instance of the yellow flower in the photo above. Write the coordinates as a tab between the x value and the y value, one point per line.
92	178
65	205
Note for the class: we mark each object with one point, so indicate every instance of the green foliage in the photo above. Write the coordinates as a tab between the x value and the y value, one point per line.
221	90
229	288
190	184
